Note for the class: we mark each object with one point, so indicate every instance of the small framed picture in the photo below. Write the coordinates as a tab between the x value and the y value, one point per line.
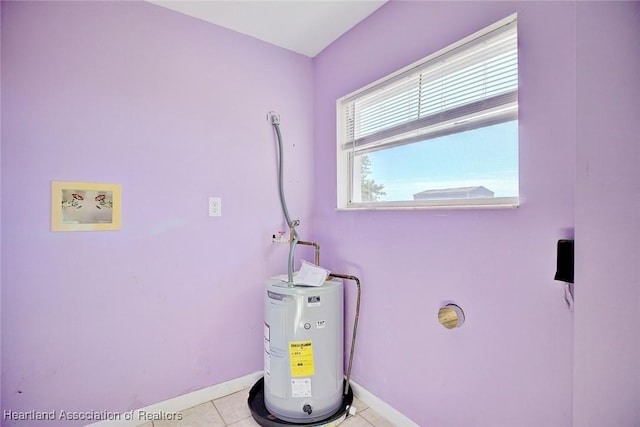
84	206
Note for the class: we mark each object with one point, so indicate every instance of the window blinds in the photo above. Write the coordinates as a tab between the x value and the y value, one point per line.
472	85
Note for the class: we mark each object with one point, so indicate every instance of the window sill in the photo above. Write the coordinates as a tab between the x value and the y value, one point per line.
493	203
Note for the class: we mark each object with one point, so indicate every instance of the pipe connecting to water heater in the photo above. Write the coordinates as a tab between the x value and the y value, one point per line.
275	121
355	326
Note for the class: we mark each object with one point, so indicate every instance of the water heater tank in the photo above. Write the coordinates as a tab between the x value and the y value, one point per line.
303	346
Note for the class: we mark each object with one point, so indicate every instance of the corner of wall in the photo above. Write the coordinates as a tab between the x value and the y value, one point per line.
1	366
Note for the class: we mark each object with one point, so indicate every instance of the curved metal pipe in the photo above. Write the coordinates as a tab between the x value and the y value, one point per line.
275	121
355	325
317	250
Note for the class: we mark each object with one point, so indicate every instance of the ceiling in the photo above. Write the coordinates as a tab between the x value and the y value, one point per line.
303	26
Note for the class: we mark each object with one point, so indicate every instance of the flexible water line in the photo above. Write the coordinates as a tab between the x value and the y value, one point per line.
275	121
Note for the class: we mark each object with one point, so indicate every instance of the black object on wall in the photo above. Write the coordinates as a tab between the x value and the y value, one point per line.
564	269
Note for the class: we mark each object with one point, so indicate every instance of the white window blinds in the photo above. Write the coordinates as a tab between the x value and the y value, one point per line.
471	85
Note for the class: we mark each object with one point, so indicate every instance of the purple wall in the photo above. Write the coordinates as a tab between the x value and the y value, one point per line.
0	204
174	109
511	363
607	344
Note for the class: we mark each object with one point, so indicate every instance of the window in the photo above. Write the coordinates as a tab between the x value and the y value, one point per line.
442	132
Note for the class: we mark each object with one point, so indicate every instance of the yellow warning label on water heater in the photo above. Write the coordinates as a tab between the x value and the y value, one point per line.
301	356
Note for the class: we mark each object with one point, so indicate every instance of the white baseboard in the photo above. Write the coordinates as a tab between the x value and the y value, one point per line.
381	407
195	398
180	403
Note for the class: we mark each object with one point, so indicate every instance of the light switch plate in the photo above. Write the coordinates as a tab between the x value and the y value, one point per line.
215	206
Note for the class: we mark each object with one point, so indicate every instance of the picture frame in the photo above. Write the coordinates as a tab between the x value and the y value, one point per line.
85	206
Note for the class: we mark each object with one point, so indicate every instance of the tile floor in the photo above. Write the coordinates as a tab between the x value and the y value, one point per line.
233	411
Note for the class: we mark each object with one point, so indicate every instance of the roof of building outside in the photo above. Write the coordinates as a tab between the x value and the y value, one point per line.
453	190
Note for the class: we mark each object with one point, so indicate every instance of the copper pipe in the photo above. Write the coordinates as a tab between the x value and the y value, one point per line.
357	314
316	246
355	324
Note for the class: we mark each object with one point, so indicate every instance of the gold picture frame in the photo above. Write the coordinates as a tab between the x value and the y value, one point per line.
84	206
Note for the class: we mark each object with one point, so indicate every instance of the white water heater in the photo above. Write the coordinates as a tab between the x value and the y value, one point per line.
303	350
